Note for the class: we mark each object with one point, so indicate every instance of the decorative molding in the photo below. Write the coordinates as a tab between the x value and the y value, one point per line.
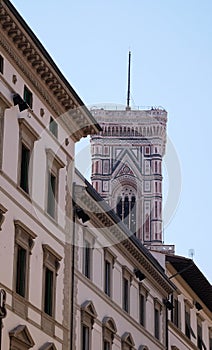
42	73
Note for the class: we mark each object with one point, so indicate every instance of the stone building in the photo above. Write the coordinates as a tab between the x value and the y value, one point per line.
127	167
41	118
73	274
121	290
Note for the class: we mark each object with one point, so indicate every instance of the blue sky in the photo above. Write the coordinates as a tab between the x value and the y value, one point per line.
171	44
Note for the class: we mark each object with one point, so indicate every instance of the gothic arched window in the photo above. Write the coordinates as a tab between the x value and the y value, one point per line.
126	209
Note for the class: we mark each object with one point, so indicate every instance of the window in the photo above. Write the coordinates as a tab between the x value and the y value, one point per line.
157	323
87	259
21	271
27	96
109	259
88	316
25	159
106	345
85	337
52	185
142	309
48	292
127	278
188	330
24	242
143	295
157	312
175	312
27	138
107	278
50	268
23	247
108	331
200	342
126	294
53	127
54	164
127	342
1	64
126	210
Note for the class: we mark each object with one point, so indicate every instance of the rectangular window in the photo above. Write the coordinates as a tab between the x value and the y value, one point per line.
188	329
157	323
142	309
48	292
25	159
187	323
85	338
21	271
24	242
1	64
51	194
51	266
126	294
175	312
107	277
53	127
28	96
106	345
87	259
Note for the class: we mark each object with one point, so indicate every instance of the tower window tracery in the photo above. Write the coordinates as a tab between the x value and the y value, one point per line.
126	208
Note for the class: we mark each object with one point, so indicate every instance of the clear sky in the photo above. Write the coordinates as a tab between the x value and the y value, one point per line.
171	44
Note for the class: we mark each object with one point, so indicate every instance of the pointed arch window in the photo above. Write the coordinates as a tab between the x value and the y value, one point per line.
126	210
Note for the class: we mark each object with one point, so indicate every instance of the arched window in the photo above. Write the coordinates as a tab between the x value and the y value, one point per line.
126	209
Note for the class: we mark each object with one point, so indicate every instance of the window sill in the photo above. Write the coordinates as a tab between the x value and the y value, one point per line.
26	195
47	324
20	305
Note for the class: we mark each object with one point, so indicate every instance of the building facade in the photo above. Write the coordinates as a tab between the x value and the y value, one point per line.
127	167
120	288
41	118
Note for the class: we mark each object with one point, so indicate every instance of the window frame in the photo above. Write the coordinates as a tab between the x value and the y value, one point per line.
188	329
157	317
28	96
24	239
127	277
54	164
53	127
89	239
144	292
27	138
51	262
88	316
109	330
109	258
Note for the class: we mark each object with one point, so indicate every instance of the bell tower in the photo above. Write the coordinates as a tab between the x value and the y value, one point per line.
127	166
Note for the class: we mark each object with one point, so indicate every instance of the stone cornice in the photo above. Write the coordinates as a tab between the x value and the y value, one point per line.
117	236
32	59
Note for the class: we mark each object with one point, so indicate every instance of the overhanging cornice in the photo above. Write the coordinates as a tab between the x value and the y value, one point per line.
28	53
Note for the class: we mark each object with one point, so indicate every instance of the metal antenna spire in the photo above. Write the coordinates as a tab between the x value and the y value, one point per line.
128	88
